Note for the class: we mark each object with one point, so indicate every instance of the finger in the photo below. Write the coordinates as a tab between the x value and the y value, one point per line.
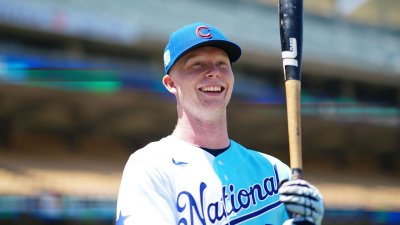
293	189
315	210
309	193
297	183
300	210
317	206
299	200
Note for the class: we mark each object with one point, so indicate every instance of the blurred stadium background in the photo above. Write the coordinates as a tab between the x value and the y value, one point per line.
80	91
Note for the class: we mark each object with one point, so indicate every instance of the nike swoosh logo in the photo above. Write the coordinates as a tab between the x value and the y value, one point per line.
178	163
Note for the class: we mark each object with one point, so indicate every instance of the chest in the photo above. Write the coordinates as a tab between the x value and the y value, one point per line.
221	192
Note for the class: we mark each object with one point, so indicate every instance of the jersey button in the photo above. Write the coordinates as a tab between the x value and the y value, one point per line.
226	177
220	162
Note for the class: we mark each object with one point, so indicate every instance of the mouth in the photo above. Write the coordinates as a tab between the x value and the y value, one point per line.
212	89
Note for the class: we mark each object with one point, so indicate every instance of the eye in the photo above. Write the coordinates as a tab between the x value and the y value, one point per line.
221	63
198	65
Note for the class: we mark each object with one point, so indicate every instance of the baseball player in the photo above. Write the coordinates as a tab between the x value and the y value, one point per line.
198	175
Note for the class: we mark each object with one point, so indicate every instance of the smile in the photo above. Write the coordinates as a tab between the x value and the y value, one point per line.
212	89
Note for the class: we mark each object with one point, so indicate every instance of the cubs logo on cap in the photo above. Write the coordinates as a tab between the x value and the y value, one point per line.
201	33
194	36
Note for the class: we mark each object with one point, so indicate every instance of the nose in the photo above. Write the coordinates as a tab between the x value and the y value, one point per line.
214	71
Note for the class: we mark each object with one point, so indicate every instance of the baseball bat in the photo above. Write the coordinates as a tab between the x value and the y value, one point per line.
291	36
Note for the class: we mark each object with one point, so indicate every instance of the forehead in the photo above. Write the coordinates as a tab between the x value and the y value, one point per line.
205	51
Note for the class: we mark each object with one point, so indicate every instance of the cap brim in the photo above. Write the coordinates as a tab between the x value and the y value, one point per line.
232	50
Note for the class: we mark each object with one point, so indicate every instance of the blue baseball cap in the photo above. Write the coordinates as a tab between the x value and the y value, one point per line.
194	36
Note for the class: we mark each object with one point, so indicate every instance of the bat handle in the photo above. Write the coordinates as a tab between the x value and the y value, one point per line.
297	174
293	90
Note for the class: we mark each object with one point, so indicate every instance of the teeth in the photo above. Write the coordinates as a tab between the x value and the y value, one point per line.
211	89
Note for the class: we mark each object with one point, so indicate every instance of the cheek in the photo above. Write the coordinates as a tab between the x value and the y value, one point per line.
186	89
231	79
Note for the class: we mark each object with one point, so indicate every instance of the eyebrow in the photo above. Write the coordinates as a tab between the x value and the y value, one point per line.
190	55
193	54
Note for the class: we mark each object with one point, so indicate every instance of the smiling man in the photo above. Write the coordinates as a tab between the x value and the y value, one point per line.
198	175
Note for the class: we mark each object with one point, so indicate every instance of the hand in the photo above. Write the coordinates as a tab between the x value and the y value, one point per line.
303	199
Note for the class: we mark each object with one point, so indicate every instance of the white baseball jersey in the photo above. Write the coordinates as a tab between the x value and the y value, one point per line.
172	182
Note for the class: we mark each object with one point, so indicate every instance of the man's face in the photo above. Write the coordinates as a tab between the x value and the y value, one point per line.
202	80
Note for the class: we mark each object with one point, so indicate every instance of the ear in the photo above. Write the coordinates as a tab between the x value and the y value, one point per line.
169	84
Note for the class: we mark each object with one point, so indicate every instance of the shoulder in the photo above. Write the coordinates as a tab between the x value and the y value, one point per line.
283	170
146	163
161	153
153	150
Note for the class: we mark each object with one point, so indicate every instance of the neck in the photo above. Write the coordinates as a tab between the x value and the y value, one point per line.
201	132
